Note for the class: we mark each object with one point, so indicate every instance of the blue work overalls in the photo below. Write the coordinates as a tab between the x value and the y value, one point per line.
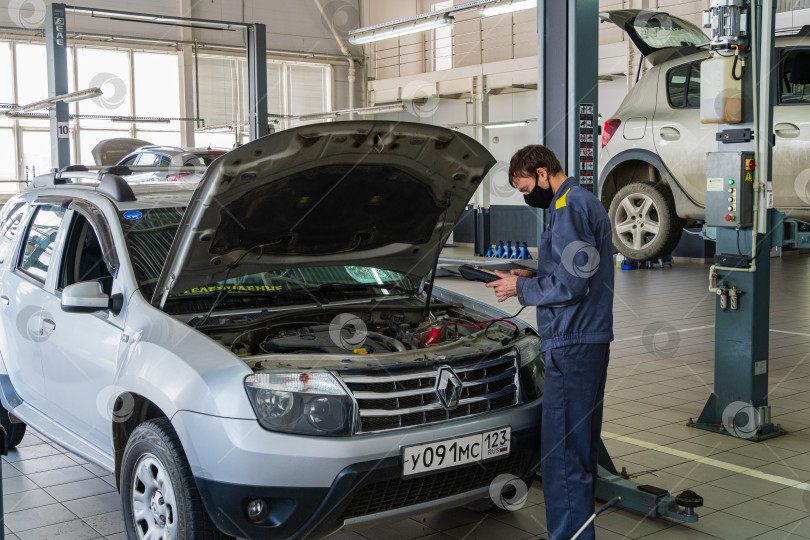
573	292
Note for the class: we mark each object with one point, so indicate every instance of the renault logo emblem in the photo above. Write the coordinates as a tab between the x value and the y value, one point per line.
448	388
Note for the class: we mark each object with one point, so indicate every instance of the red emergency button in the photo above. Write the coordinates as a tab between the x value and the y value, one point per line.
729	217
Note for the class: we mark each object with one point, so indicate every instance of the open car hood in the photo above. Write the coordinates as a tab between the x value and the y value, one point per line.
366	193
654	31
111	151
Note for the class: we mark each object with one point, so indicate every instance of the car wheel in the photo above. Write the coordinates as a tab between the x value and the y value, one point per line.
158	492
14	431
644	222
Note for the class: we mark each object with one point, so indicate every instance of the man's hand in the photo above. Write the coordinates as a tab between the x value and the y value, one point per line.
506	287
521	272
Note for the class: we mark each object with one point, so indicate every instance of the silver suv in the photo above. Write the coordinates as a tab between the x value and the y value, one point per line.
652	166
257	357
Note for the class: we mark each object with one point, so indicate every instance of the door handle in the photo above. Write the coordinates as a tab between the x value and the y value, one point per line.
669	133
787	130
48	326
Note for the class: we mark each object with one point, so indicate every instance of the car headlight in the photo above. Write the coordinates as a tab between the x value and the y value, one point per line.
302	403
532	367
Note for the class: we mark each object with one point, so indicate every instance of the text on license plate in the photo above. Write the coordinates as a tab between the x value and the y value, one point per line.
452	452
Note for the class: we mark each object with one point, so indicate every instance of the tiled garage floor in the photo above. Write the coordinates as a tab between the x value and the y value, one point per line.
654	386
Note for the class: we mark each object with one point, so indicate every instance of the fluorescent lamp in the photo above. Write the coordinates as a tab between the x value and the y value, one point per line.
393	31
507	6
80	95
377	109
45	103
135	120
507	124
318	116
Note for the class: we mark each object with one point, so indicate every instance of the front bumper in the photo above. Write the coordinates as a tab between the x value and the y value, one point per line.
316	486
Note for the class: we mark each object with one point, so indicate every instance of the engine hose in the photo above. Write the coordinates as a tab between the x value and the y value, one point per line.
392	343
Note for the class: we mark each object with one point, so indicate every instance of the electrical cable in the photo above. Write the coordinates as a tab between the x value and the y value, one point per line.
734	67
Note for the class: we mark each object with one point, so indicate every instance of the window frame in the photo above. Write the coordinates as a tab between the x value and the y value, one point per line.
684	99
36	206
782	52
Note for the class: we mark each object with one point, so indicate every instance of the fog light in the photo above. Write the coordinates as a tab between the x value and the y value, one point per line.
257	510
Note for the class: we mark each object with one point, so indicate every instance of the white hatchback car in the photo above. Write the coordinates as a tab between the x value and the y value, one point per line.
652	166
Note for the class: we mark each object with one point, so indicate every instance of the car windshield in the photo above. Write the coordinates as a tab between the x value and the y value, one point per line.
149	234
659	31
203	159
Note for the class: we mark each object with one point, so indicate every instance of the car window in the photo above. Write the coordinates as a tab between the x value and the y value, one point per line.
683	86
795	77
9	227
83	259
147	159
40	241
130	160
676	85
150	232
165	161
659	30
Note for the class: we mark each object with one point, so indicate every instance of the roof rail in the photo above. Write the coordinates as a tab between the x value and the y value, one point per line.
109	183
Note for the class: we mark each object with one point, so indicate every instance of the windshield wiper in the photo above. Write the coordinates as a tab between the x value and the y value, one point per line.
360	287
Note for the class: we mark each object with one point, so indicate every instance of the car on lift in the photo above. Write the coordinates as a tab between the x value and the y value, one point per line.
142	156
652	165
263	354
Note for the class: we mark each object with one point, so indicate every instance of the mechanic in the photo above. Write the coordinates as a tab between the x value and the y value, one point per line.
573	292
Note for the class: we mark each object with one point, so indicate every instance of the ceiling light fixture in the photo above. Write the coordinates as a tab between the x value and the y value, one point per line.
50	102
507	6
395	31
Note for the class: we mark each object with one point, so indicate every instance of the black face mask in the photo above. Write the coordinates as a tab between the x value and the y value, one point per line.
539	197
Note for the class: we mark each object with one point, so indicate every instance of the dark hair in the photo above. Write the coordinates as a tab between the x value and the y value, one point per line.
528	159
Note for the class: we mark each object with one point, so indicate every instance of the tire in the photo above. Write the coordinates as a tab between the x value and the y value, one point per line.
154	469
639	205
14	432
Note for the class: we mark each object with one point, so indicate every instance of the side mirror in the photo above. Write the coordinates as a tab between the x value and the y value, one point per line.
89	297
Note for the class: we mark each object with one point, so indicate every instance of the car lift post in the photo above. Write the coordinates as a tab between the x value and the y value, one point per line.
568	63
56	45
739	404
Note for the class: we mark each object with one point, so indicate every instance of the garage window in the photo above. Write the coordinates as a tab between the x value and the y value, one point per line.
683	86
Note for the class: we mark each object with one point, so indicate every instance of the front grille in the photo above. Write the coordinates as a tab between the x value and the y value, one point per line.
402	492
398	399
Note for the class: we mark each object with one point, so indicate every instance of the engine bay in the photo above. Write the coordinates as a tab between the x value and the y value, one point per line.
362	332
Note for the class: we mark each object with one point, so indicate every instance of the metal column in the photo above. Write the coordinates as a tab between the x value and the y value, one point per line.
739	404
257	80
55	41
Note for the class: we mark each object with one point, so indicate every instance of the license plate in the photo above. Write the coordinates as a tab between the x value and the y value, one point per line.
454	452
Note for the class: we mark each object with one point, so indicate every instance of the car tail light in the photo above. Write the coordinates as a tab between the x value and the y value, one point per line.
610	128
175	177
